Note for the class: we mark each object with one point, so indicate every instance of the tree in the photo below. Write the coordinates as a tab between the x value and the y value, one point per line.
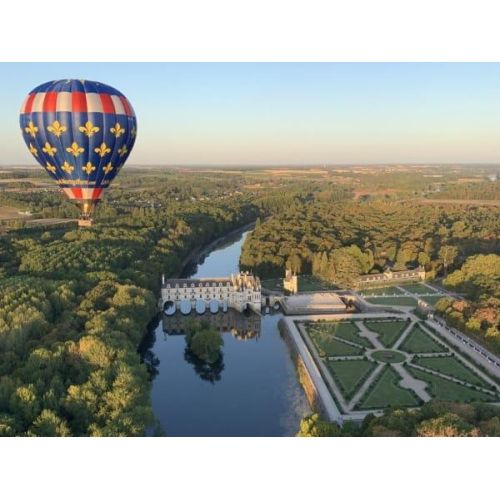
424	259
49	424
314	426
491	427
447	425
448	254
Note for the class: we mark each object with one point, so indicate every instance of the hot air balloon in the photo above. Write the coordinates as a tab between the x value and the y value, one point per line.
81	132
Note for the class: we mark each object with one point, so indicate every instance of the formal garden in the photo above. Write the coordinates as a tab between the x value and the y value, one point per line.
402	295
382	362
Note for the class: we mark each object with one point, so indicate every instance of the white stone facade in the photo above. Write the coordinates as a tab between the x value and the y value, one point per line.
238	291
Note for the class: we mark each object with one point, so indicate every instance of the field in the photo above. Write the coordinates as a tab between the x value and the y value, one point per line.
388	331
419	341
387	392
350	374
10	213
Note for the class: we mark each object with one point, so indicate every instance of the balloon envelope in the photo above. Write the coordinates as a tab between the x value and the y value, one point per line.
81	132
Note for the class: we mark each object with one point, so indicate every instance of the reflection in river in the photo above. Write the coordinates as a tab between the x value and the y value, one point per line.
211	372
242	326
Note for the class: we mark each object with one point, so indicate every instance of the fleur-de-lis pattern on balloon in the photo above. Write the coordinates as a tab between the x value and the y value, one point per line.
75	150
117	130
107	168
89	129
102	150
33	150
50	168
88	168
123	150
31	129
50	150
67	167
56	128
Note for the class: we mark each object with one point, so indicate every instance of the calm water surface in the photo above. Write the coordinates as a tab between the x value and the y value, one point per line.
253	391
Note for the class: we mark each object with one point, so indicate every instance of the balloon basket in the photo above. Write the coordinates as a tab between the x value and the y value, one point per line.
84	222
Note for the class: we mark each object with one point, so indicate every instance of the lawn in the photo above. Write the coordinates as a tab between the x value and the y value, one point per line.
343	330
451	366
387	392
328	345
447	390
393	301
309	283
350	374
419	341
273	284
388	331
387	290
418	288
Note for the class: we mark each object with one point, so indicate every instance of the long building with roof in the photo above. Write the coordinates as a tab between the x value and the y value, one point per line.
238	291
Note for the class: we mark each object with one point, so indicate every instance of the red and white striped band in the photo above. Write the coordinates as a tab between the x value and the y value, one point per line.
77	102
77	193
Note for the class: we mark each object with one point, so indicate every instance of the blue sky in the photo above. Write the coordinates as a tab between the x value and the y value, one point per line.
286	113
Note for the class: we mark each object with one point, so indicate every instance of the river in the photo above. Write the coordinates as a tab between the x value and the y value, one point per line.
253	391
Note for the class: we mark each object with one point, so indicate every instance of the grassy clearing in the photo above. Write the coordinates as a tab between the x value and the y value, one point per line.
451	366
418	288
387	392
393	301
309	283
350	374
419	341
273	284
10	213
447	390
343	330
388	331
386	290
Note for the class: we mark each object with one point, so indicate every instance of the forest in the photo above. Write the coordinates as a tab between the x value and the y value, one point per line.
75	304
340	241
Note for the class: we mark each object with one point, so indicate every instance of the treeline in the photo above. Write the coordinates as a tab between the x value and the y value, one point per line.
486	190
75	304
433	419
479	280
340	241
